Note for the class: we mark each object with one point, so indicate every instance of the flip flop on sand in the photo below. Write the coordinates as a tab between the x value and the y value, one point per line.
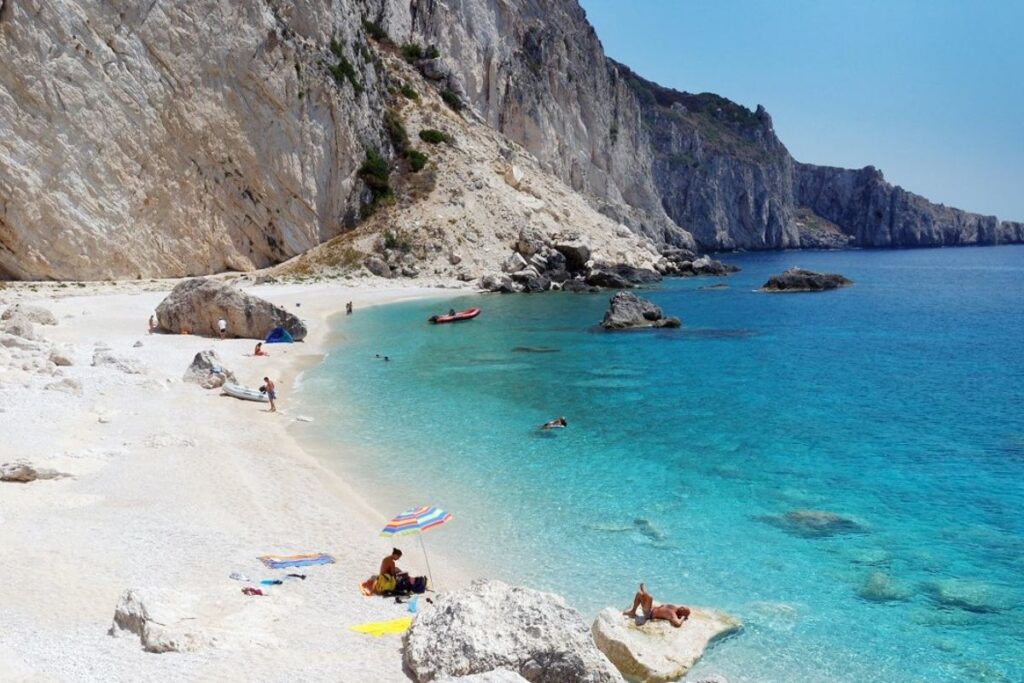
249	590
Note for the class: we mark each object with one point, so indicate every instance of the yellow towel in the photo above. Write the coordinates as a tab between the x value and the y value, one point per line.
380	628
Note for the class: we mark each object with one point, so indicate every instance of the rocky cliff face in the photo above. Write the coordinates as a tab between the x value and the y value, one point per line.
876	214
185	138
177	138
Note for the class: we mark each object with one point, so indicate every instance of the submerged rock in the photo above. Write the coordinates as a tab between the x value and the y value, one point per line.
799	280
494	626
195	306
880	587
972	596
815	523
629	311
656	651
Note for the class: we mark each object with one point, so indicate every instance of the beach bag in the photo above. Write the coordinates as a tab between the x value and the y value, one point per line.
385	584
419	584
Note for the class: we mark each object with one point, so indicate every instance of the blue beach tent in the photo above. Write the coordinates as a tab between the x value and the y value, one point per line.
278	335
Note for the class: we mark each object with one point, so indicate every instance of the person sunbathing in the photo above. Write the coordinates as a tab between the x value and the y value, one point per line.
259	350
674	614
555	424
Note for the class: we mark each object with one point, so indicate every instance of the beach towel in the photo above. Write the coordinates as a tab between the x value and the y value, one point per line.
285	561
380	628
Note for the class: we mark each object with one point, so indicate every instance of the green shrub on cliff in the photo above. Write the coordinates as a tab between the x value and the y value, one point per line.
417	159
434	137
375	172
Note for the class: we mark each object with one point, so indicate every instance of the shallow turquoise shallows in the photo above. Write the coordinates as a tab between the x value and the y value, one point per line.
844	470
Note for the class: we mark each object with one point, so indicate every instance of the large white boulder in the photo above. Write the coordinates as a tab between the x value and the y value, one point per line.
492	625
161	618
657	651
35	314
195	306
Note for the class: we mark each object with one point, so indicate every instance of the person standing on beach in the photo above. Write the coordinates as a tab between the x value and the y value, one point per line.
152	324
222	326
348	308
271	394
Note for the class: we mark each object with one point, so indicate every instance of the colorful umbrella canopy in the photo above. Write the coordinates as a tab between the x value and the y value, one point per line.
417	519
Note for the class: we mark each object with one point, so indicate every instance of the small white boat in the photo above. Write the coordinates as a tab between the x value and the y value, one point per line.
245	393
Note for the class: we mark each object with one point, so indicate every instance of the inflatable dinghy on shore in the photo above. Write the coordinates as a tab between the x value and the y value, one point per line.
245	393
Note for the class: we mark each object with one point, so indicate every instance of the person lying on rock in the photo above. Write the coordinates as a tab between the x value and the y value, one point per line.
674	614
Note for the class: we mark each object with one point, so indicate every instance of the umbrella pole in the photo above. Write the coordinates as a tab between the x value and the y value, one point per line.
424	549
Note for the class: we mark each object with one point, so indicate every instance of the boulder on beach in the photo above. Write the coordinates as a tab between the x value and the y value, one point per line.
629	311
656	651
496	676
161	619
800	280
107	358
22	472
195	306
208	371
35	314
494	626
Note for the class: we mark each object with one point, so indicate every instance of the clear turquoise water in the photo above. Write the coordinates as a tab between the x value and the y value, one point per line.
897	403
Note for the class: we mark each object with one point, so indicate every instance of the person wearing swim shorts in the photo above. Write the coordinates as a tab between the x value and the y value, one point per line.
271	394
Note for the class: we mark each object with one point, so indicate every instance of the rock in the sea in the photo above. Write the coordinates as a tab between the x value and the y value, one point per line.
35	314
880	587
492	625
656	651
800	280
160	618
629	311
815	523
196	305
22	472
972	596
105	358
208	371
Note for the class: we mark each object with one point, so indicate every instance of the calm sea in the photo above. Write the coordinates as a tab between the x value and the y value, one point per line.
844	471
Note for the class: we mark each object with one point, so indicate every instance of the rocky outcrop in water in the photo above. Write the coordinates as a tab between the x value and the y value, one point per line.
800	280
657	652
627	311
494	626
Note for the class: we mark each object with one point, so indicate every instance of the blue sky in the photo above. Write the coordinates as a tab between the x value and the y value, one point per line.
929	91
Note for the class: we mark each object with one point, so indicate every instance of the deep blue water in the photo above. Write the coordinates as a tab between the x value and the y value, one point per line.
896	404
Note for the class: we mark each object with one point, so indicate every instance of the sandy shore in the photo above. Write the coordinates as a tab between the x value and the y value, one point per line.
175	487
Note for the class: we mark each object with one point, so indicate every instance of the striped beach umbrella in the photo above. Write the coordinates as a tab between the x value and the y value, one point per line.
417	520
